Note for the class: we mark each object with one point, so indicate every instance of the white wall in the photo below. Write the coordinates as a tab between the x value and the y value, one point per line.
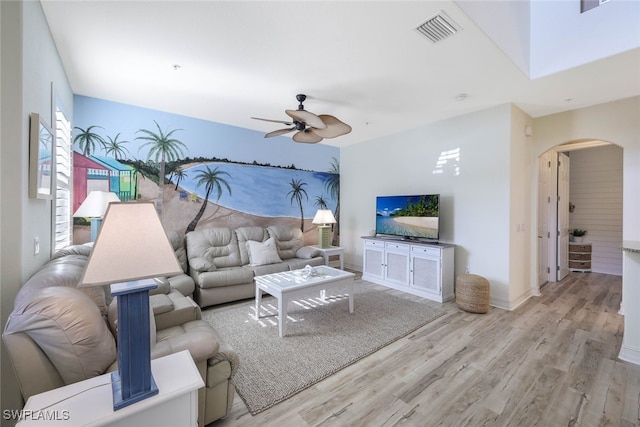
489	209
475	207
563	38
596	192
512	35
30	65
522	228
616	122
545	37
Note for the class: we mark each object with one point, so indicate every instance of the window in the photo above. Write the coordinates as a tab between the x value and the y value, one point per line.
63	225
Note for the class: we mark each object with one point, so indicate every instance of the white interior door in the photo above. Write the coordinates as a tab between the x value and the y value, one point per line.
563	216
544	204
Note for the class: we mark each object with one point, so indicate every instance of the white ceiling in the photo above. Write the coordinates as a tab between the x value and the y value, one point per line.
361	61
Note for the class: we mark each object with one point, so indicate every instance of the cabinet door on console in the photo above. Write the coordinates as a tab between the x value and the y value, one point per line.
373	263
425	274
397	263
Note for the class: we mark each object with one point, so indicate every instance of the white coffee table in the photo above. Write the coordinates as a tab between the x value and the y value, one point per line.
288	285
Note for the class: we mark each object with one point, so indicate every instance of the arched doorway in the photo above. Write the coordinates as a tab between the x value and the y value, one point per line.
595	183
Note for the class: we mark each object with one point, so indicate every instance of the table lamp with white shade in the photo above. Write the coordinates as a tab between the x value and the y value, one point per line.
324	217
131	246
94	207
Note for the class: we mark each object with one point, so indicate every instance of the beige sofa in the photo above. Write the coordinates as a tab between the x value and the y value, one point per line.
168	301
224	261
180	282
59	334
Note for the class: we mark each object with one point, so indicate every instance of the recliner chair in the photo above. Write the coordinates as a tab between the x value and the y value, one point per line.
59	334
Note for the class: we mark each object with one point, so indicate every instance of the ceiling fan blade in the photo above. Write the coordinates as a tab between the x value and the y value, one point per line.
335	127
279	132
309	118
288	123
307	137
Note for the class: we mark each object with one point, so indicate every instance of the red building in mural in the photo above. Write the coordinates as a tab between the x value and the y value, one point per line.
88	175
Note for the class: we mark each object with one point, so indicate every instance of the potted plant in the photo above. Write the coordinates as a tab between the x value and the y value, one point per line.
577	234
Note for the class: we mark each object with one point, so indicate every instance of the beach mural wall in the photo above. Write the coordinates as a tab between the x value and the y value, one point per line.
215	175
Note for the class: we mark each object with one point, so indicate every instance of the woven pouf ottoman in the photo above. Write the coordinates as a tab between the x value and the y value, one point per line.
472	293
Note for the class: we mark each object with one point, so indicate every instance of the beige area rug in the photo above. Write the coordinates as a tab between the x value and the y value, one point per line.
321	338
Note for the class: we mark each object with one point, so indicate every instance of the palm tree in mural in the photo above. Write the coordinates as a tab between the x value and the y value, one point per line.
332	185
321	202
211	179
87	140
116	148
179	174
137	172
163	148
296	194
170	168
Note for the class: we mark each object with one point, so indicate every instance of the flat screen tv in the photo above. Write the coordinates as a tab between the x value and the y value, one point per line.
409	217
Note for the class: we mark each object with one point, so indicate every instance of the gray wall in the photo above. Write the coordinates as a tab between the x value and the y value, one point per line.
31	67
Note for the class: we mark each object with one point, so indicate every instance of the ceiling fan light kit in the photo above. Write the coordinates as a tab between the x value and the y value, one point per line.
307	137
311	128
303	116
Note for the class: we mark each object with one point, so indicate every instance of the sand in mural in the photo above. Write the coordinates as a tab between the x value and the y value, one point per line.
181	205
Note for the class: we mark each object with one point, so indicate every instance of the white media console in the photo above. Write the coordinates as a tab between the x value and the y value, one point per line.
423	269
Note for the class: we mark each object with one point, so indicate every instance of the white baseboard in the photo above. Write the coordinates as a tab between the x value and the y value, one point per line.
523	298
629	354
510	305
621	311
499	303
353	267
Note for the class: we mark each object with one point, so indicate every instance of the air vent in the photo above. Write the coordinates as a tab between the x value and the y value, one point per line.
438	28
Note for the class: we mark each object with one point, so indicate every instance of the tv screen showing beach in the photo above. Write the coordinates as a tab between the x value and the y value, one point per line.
408	216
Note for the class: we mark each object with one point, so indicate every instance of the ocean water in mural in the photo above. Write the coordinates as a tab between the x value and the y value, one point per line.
262	190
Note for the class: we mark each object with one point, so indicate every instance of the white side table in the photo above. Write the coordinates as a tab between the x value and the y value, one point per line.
90	402
331	251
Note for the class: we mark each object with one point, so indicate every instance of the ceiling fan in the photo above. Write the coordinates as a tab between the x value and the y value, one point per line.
311	128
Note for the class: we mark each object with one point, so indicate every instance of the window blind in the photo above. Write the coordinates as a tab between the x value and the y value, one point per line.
63	221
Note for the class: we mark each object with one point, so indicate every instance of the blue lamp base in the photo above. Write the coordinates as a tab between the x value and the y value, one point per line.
116	389
133	382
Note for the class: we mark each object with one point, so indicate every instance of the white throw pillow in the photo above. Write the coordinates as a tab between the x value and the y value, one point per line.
308	252
262	253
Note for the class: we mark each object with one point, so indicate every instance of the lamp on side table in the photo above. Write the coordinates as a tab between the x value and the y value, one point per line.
94	207
324	217
131	246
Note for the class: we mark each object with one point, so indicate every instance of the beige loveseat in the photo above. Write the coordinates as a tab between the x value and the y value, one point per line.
224	261
59	334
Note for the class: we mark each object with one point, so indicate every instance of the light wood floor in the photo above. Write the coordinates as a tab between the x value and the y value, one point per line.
551	362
